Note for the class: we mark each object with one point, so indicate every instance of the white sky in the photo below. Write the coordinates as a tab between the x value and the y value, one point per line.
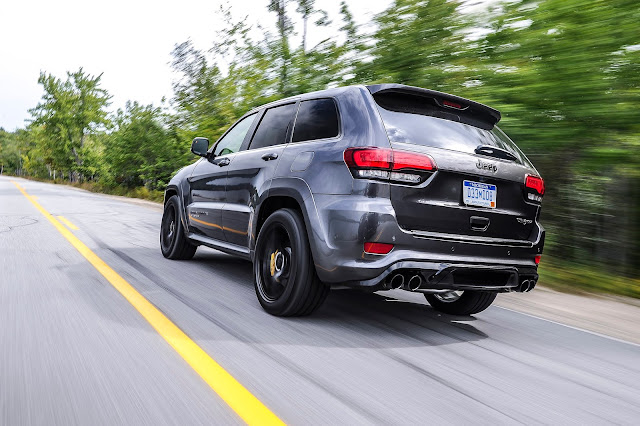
129	41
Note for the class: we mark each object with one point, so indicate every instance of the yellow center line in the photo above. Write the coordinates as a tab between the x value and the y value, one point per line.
243	402
66	222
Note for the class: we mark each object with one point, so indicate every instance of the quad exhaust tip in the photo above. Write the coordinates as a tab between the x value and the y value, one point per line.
415	282
527	285
396	281
406	282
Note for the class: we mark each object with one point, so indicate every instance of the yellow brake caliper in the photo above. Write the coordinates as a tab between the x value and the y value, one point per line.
272	265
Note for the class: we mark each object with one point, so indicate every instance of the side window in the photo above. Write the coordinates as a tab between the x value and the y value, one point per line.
273	127
317	119
232	141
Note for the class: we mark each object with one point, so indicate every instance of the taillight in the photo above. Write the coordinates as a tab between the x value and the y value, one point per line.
368	158
534	187
410	160
389	164
537	259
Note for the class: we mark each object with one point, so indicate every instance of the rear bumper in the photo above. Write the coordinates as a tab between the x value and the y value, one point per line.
452	276
344	223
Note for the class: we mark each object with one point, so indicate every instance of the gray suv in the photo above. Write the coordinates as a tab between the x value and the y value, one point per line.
372	187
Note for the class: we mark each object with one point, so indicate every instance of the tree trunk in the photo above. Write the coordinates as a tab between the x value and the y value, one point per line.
284	45
76	156
304	34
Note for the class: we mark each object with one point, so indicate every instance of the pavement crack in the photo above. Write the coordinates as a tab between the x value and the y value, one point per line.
8	223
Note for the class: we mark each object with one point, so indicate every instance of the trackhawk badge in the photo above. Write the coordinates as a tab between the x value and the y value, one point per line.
524	221
486	166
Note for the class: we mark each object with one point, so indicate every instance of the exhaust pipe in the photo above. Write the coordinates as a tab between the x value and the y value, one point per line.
532	284
415	282
526	285
396	281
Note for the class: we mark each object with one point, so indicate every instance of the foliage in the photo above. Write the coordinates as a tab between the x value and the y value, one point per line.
69	113
571	278
12	147
258	69
140	150
416	43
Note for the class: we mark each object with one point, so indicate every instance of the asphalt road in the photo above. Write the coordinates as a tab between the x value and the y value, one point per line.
74	351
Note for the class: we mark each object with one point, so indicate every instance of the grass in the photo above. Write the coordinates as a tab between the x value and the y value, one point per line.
574	278
141	192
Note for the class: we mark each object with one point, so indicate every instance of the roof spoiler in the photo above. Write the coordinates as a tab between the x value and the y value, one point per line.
466	110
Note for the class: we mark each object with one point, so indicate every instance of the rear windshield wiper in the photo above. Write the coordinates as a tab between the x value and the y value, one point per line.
492	151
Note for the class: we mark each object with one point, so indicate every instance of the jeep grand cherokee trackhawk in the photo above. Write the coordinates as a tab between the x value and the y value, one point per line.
375	187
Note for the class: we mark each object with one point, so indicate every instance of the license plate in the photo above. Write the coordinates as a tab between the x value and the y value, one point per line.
479	194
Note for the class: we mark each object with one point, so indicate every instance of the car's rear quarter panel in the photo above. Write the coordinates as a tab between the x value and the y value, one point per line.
360	125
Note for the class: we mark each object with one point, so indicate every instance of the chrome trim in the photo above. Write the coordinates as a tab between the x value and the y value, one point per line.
471	239
220	245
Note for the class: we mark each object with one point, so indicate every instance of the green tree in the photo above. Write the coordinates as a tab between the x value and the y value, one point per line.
70	112
565	74
281	45
197	92
242	71
13	145
307	9
415	43
141	150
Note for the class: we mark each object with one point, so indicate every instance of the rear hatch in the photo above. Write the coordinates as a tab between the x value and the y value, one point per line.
478	191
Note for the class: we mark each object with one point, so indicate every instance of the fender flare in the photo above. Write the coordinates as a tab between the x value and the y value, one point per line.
297	189
176	190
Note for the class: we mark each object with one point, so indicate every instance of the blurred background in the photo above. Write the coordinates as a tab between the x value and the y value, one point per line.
564	73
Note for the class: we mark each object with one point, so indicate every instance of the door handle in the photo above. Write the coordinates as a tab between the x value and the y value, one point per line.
270	156
223	162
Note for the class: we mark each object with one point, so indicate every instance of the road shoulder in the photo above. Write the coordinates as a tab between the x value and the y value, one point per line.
612	316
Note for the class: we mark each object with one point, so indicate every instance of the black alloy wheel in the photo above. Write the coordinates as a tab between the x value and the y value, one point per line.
461	302
276	265
173	243
285	279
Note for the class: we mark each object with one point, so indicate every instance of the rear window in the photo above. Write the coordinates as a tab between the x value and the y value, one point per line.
317	119
421	126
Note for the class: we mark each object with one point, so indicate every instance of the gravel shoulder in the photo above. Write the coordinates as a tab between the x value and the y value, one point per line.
613	316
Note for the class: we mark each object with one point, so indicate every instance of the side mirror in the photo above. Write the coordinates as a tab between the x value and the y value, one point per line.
200	146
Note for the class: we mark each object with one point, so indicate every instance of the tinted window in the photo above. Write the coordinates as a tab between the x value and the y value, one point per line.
232	141
317	119
426	130
273	127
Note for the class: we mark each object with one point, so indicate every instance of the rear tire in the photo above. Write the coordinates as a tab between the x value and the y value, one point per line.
468	303
285	277
173	242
